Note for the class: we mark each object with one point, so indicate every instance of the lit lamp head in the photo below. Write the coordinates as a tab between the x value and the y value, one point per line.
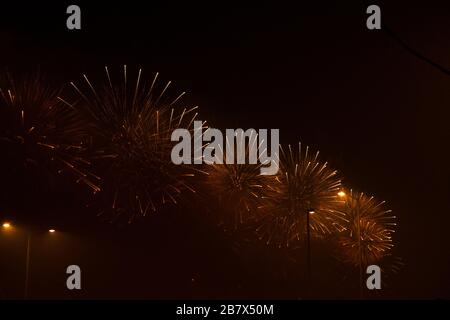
6	225
341	194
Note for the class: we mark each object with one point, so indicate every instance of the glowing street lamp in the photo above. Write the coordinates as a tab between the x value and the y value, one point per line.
52	230
6	225
341	194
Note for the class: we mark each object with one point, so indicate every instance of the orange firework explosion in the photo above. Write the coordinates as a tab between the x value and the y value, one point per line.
305	189
133	126
239	189
40	136
366	236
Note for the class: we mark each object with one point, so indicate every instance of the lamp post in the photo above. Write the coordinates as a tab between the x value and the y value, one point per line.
8	225
360	262
27	266
308	250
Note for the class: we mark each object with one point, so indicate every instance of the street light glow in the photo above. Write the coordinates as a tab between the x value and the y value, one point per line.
51	230
341	194
6	225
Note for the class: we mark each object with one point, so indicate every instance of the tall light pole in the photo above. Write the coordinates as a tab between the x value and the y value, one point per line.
360	262
8	225
27	266
308	250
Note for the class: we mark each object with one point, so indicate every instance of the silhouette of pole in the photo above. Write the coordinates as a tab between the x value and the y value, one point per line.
361	288
27	266
308	252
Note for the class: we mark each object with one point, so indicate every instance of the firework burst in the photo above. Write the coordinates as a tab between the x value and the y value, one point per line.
133	122
366	235
305	190
39	136
240	189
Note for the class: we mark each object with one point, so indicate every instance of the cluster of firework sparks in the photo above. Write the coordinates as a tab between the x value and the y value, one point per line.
114	135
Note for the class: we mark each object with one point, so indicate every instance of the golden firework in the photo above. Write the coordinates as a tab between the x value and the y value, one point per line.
39	135
132	126
305	190
366	236
239	189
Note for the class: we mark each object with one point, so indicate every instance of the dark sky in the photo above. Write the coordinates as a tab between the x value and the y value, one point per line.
377	112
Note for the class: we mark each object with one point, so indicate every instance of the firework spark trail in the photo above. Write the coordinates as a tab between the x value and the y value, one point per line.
305	189
39	131
133	125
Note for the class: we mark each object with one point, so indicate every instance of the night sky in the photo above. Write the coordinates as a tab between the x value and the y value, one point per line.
378	113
